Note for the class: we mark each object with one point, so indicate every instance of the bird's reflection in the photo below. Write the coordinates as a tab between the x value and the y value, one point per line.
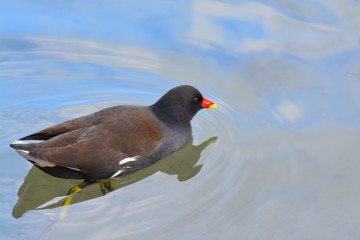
42	191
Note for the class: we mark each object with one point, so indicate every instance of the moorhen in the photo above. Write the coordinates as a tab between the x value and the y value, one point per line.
117	140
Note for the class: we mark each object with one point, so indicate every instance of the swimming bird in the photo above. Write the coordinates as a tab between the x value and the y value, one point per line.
117	140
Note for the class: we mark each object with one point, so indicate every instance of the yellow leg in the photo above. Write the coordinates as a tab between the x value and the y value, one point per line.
106	187
68	200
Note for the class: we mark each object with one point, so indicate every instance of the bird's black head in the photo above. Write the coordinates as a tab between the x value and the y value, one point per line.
180	104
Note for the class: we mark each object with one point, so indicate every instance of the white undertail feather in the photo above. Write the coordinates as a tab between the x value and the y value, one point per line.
25	154
20	142
39	162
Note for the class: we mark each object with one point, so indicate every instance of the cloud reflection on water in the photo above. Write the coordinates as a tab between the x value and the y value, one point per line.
278	32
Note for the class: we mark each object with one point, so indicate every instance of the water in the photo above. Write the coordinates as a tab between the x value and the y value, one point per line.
278	159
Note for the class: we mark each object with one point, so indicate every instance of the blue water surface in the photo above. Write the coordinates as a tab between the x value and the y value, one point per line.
279	158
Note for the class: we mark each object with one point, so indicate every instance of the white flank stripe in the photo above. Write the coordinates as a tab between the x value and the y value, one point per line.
74	168
117	173
129	159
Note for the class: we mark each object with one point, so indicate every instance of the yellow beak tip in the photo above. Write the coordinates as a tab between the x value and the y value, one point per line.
213	106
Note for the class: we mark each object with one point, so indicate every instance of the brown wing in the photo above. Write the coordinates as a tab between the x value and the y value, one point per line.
92	157
97	149
67	126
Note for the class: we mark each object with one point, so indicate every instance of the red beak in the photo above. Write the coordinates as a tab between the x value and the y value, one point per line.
208	104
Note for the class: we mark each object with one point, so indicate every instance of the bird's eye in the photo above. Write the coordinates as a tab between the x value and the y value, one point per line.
196	100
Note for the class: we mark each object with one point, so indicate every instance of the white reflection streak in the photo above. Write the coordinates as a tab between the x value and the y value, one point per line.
125	61
81	51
